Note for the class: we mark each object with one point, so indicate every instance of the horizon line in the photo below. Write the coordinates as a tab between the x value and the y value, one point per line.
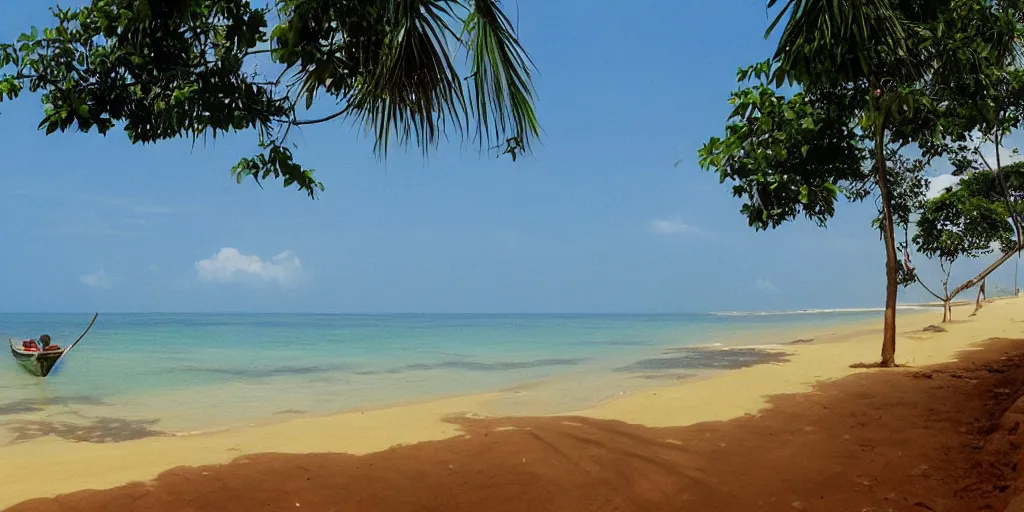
868	309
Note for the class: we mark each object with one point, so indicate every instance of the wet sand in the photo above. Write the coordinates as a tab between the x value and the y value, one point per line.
854	440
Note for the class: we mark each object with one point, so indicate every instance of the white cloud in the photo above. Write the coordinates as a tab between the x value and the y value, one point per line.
673	226
938	184
1006	155
765	285
98	280
229	265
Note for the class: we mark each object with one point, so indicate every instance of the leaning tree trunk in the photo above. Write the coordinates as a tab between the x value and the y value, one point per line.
888	233
988	270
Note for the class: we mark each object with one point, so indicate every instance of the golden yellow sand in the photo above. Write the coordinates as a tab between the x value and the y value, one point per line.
738	392
76	466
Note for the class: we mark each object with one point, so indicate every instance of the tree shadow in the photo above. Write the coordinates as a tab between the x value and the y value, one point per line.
876	365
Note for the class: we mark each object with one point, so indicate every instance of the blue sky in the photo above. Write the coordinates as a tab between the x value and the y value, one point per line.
597	220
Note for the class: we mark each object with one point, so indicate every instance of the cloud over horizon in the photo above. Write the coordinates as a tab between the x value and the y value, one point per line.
672	226
937	184
99	280
230	265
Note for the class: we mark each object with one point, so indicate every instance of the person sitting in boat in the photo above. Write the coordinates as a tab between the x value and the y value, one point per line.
44	340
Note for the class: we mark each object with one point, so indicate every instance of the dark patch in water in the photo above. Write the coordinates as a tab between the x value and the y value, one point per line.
274	371
388	371
96	430
695	358
503	366
475	366
290	411
801	341
27	405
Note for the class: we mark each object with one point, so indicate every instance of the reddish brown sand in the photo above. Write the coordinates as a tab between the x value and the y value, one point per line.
906	440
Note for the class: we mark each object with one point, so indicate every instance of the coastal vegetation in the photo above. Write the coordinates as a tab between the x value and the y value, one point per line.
196	68
860	100
969	220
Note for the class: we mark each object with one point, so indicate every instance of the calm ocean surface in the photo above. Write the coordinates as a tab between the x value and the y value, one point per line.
184	373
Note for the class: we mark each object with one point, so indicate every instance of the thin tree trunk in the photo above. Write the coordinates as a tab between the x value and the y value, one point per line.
981	297
891	285
1018	230
947	300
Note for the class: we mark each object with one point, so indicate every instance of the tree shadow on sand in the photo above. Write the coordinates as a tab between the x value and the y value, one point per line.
878	364
95	430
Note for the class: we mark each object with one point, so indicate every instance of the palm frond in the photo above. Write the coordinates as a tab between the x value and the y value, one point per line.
845	35
414	91
390	63
502	97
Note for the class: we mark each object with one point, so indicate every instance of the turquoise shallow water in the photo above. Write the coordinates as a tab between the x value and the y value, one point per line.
185	373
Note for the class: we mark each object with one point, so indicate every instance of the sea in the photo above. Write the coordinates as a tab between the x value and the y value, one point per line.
189	373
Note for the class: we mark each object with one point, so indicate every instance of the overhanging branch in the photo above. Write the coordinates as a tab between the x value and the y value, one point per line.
301	122
929	290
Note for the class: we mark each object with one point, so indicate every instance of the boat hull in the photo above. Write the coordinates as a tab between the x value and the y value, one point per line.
36	363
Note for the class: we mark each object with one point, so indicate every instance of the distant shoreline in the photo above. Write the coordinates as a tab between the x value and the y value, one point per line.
913	306
908	306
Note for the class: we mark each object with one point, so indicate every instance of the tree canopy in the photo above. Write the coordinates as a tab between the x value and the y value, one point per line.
197	68
968	220
880	93
811	136
962	223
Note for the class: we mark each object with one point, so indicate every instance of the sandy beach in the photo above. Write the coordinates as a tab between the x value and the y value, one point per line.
747	395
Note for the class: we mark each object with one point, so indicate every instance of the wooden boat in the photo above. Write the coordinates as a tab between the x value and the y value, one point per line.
40	362
37	362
